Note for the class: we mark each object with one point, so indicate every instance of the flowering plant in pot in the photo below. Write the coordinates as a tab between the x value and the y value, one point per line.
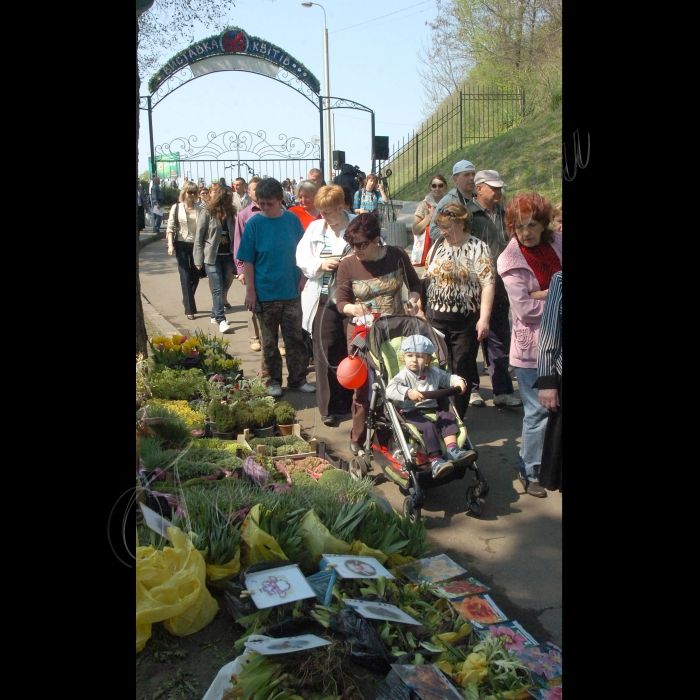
285	414
176	350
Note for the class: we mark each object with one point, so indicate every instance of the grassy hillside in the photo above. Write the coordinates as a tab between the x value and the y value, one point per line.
527	157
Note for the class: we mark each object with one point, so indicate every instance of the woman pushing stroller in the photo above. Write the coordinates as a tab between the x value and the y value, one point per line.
405	389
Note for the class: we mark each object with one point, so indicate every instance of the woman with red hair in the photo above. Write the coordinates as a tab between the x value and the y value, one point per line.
526	266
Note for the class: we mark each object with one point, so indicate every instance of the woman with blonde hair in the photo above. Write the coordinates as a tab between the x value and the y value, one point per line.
306	209
182	226
318	255
460	282
212	249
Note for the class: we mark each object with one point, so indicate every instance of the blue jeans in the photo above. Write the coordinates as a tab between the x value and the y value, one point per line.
220	275
534	425
156	222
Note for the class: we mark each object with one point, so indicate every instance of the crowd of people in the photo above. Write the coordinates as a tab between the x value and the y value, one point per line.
316	269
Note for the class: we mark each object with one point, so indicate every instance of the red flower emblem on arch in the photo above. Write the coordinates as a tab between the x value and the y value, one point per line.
234	42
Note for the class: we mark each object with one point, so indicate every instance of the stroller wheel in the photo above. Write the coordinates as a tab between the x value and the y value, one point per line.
357	468
475	504
409	511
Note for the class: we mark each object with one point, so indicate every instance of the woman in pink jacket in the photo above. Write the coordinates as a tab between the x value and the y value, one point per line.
526	266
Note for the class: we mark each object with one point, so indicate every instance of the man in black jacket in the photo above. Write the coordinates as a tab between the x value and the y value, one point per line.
347	177
488	224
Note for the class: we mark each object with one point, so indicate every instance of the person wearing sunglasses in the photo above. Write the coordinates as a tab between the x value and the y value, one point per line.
463	173
273	284
182	226
422	218
370	281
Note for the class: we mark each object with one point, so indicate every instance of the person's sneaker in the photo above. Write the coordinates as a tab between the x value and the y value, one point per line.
475	399
213	320
534	489
328	420
305	387
223	326
440	467
506	400
457	454
274	390
283	352
255	345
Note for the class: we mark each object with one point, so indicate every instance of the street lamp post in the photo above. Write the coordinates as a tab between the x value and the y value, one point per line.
329	161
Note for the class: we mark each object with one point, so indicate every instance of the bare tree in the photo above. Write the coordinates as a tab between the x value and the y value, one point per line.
164	28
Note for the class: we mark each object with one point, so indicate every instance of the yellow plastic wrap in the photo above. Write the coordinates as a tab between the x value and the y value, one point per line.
217	572
318	539
170	588
362	550
261	546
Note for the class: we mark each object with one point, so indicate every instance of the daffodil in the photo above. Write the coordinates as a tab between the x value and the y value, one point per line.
208	362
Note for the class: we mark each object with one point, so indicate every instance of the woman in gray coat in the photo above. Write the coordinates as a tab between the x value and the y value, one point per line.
212	248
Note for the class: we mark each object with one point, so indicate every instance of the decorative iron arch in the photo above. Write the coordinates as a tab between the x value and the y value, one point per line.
235	50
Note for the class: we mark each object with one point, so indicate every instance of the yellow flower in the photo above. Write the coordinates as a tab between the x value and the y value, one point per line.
176	348
168	345
452	637
473	670
177	339
158	340
445	667
207	362
229	363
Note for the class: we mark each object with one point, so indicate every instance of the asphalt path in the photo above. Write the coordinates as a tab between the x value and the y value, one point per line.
514	547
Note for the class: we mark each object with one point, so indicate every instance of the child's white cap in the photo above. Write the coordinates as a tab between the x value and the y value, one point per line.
417	343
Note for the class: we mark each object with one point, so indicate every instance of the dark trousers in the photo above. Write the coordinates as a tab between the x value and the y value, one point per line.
330	349
462	345
497	346
445	423
189	275
284	314
142	218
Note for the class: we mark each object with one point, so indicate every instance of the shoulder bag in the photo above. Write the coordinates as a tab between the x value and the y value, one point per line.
333	283
425	281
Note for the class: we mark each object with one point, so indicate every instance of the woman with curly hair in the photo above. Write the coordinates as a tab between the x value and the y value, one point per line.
460	290
212	248
526	266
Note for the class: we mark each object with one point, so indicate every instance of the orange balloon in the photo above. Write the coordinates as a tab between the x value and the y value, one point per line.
352	372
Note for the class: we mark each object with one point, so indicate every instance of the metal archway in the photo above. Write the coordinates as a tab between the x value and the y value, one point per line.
235	50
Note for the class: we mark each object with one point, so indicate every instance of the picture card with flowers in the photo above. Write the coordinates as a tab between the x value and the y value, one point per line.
511	632
543	661
553	693
459	588
425	681
479	610
277	586
431	569
352	566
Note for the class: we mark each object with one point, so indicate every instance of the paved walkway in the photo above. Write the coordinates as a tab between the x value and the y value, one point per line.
515	547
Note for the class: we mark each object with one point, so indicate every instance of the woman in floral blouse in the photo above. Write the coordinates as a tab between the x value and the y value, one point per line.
460	289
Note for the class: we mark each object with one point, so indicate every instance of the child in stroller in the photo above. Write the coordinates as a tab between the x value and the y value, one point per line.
405	390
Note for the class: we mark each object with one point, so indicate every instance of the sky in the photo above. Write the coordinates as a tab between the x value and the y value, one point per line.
373	59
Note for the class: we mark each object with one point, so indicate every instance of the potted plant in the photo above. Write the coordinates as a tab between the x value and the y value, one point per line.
264	421
225	423
284	414
243	416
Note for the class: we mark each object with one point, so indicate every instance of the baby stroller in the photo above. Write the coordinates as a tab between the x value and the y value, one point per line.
395	445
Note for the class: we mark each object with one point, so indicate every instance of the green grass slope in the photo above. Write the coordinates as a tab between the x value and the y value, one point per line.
528	157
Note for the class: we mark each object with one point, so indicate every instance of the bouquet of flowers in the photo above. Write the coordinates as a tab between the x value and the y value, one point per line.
214	355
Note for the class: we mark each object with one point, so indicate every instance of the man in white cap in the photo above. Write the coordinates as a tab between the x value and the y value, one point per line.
463	176
488	224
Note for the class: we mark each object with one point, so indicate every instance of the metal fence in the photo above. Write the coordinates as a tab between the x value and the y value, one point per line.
475	114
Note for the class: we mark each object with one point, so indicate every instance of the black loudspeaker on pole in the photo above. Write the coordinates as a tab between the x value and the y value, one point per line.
338	159
381	147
